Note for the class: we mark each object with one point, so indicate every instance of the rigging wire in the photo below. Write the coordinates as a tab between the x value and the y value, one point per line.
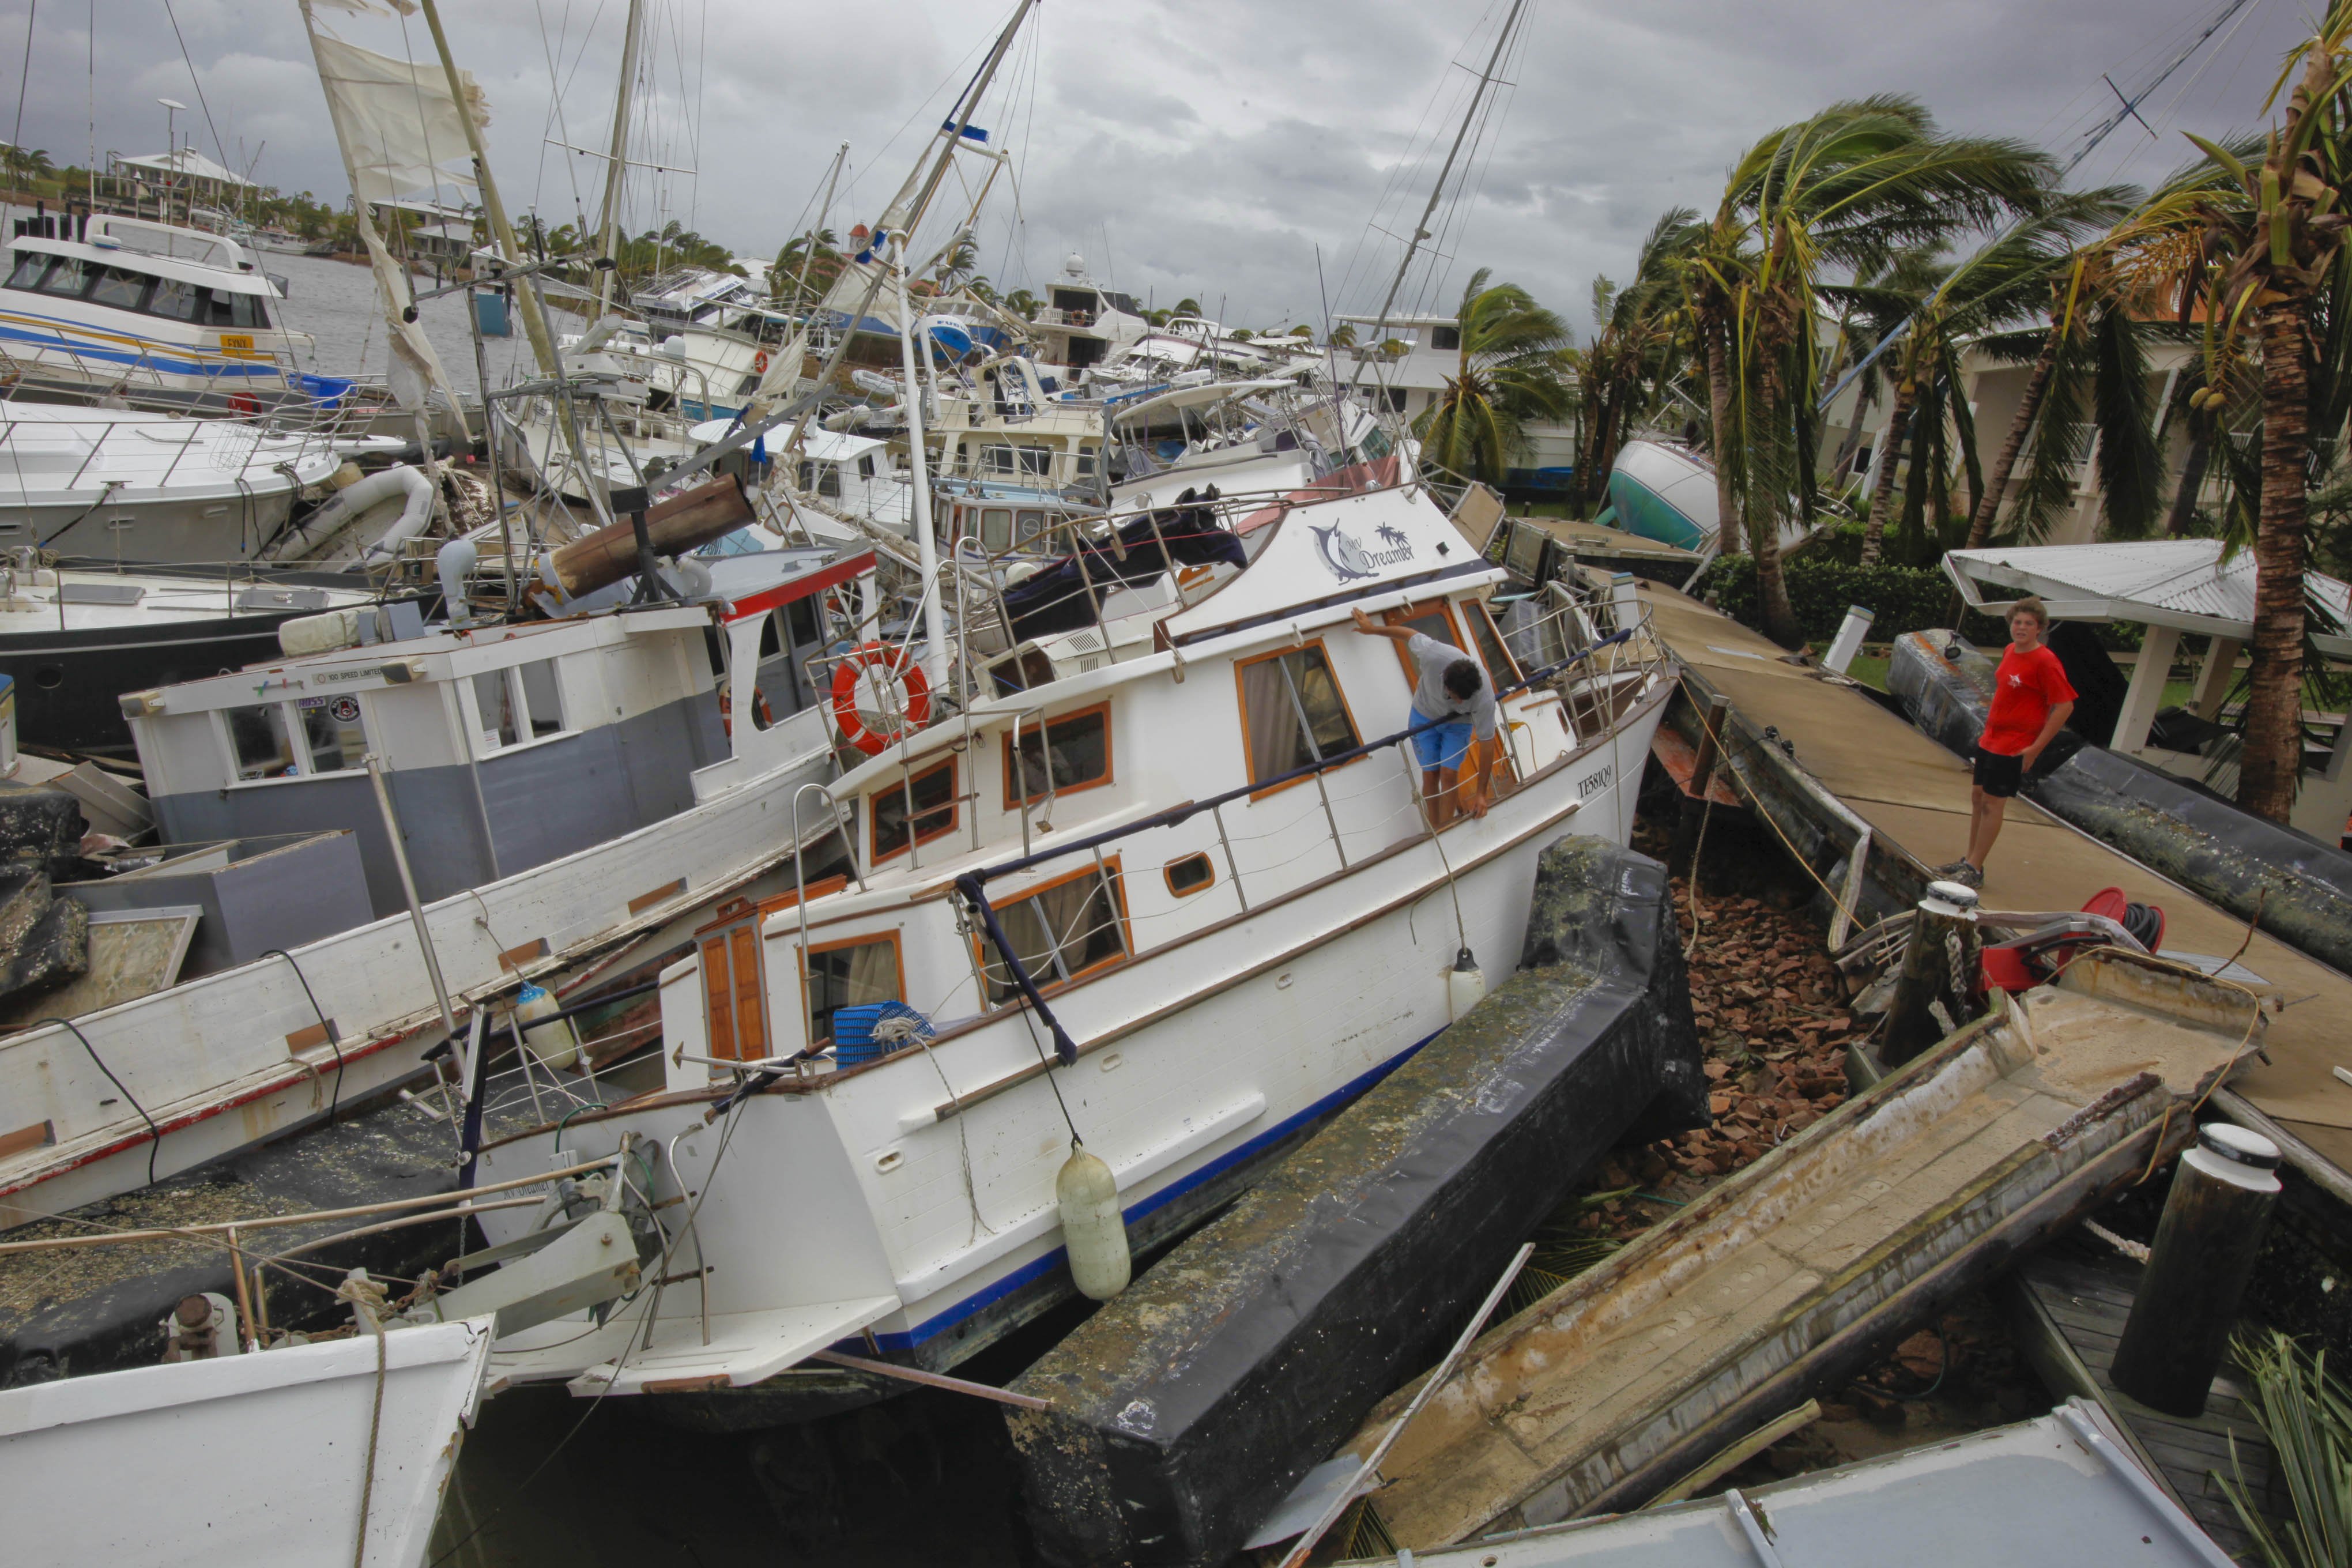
23	76
194	80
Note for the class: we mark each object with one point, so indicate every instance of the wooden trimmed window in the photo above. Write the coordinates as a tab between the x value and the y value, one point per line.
1077	746
1293	712
1491	647
934	790
1190	874
1069	928
850	974
1431	618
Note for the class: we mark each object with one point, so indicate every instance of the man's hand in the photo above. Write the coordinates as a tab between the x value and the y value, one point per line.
1476	799
1363	622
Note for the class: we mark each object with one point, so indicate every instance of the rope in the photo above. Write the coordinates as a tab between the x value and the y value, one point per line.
154	1133
366	1298
336	1098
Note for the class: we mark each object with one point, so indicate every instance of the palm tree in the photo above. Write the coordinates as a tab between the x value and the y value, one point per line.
2282	243
1622	376
1509	373
1847	189
1023	304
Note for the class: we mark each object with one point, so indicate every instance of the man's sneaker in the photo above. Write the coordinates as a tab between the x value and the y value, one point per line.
1968	876
1953	871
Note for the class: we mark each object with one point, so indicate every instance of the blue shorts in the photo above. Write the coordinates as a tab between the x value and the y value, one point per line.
1441	745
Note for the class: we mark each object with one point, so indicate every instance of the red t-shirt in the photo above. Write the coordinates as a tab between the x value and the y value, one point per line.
2024	688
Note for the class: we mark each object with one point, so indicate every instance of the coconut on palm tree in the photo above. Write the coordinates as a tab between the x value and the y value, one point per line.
1510	373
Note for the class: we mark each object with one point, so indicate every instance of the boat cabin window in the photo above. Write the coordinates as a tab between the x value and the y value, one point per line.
175	299
1292	711
1061	932
1499	662
29	268
852	973
1028	526
1431	620
332	730
822	479
865	466
996	529
523	703
935	810
67	275
263	745
1189	875
1447	338
1077	747
118	289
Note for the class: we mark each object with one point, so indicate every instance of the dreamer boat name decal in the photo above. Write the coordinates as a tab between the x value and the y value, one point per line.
1350	560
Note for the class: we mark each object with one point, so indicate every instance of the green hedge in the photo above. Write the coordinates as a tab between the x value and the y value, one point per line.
1903	598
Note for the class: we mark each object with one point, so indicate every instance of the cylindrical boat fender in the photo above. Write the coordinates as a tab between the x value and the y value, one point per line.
1465	982
1093	1229
454	564
556	1044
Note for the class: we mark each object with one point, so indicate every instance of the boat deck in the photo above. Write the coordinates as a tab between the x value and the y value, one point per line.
2069	1303
1914	796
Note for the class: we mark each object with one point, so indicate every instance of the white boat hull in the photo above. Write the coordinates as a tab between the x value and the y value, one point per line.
244	1461
923	1204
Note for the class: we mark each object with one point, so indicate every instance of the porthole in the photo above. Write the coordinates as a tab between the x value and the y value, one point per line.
1189	875
49	677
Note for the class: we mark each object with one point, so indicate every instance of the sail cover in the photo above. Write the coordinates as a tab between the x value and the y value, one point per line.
397	125
397	122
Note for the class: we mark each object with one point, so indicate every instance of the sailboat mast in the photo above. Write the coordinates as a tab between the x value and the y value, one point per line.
1437	191
617	165
808	252
534	324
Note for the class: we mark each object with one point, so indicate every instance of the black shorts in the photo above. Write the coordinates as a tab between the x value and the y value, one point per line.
1997	775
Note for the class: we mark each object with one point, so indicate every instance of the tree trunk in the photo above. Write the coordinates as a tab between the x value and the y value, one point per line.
1881	498
1987	509
1718	402
2192	477
2271	762
1772	604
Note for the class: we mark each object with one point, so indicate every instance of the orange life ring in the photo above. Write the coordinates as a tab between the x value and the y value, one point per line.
760	362
763	715
875	656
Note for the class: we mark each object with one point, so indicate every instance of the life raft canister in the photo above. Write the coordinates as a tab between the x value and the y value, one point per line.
873	656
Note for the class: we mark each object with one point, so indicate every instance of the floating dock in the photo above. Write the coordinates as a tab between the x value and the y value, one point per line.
1785	1279
1857	765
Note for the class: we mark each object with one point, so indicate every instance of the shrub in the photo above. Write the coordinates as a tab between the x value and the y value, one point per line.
1903	598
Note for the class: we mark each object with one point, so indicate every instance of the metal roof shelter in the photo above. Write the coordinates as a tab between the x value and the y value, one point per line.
186	164
2169	587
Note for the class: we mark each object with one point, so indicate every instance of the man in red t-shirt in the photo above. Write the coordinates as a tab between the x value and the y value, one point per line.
2030	699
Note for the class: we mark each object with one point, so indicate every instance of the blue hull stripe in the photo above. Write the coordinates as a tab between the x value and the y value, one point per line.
1037	1269
148	357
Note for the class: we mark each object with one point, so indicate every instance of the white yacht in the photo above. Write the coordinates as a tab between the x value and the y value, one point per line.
1168	887
134	485
163	316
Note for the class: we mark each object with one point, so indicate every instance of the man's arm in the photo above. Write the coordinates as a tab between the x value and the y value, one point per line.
1372	628
2050	727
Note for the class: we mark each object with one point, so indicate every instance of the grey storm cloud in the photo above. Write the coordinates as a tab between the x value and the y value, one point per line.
1185	147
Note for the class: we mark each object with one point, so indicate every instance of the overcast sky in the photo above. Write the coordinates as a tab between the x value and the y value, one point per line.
1185	147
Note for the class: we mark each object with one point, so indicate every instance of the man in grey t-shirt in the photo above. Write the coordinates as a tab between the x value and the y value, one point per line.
1452	700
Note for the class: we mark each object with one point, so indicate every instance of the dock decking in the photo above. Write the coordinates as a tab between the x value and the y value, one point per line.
1914	796
2069	1303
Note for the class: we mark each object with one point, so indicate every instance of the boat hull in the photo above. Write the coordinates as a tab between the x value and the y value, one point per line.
1201	1063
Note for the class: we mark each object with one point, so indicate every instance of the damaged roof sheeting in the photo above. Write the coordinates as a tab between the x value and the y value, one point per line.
1186	1408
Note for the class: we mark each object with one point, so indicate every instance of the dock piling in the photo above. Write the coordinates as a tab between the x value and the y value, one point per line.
1937	991
2181	1317
1707	753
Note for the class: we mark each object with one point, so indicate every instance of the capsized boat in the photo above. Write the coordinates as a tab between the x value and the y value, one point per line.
1167	886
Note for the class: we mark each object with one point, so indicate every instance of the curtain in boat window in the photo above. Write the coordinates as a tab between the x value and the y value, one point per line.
850	976
1058	933
1292	712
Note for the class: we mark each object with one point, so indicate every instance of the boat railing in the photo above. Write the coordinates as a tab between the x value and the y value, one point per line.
973	884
